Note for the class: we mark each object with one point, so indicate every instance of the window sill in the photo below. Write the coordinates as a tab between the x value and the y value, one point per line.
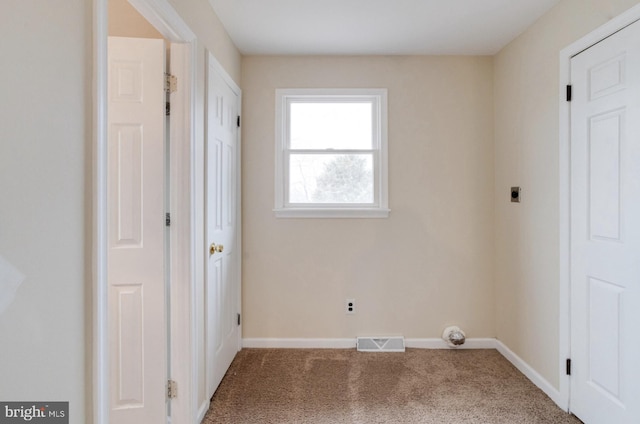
331	213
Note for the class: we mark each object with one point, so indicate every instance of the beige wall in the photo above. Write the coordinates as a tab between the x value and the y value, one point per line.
125	21
427	266
430	264
527	88
45	82
212	36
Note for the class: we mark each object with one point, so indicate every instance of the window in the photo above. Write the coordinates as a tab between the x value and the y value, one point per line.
331	153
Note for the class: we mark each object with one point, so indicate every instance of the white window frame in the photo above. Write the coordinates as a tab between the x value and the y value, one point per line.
379	208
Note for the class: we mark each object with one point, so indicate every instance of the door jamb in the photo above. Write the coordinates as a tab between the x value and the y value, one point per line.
168	22
614	25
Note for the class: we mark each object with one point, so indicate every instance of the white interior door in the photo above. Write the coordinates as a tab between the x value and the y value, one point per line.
136	228
221	199
605	230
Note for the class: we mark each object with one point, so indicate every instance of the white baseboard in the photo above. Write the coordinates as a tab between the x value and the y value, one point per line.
532	375
202	411
351	343
300	343
441	344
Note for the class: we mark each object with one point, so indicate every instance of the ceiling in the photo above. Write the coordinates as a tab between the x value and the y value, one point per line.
377	27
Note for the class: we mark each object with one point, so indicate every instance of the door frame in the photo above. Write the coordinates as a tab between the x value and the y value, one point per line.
183	179
611	27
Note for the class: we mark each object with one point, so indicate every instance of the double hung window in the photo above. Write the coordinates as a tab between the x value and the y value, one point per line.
331	153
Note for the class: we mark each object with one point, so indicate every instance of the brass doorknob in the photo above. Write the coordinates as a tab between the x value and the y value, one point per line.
215	248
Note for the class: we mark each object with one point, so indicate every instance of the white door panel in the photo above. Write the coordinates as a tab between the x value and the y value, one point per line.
137	322
605	230
222	283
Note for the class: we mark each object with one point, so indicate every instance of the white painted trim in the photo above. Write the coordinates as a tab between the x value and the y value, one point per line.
100	348
564	243
217	66
331	213
480	343
165	19
200	399
239	215
202	411
299	343
606	30
380	208
347	343
531	374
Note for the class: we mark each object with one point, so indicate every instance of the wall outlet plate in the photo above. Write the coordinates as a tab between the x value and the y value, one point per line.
515	194
350	306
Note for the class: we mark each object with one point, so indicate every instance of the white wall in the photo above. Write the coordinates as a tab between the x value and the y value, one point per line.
45	108
527	87
430	264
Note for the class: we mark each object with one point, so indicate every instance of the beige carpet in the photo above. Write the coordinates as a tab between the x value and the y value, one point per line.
345	386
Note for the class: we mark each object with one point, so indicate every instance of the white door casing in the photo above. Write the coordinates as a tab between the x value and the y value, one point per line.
136	278
222	274
605	230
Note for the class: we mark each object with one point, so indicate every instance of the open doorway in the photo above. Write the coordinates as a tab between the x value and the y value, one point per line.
138	254
123	333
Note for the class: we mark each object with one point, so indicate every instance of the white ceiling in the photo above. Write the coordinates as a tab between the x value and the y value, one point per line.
376	27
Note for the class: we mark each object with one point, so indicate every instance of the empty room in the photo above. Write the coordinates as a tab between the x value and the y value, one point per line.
347	211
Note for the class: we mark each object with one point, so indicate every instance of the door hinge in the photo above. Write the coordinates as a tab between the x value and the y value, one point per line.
238	122
239	319
172	389
167	219
167	109
568	366
569	93
170	83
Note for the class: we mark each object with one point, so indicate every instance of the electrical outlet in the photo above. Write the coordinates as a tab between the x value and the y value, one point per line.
515	194
350	306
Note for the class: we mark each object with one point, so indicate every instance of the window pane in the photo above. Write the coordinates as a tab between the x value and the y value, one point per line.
330	125
331	178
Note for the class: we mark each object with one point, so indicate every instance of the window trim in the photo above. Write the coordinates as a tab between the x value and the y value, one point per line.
380	208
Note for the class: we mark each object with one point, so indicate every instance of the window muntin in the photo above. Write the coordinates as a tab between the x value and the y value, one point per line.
331	153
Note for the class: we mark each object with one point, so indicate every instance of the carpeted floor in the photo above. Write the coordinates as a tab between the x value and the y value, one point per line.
344	386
